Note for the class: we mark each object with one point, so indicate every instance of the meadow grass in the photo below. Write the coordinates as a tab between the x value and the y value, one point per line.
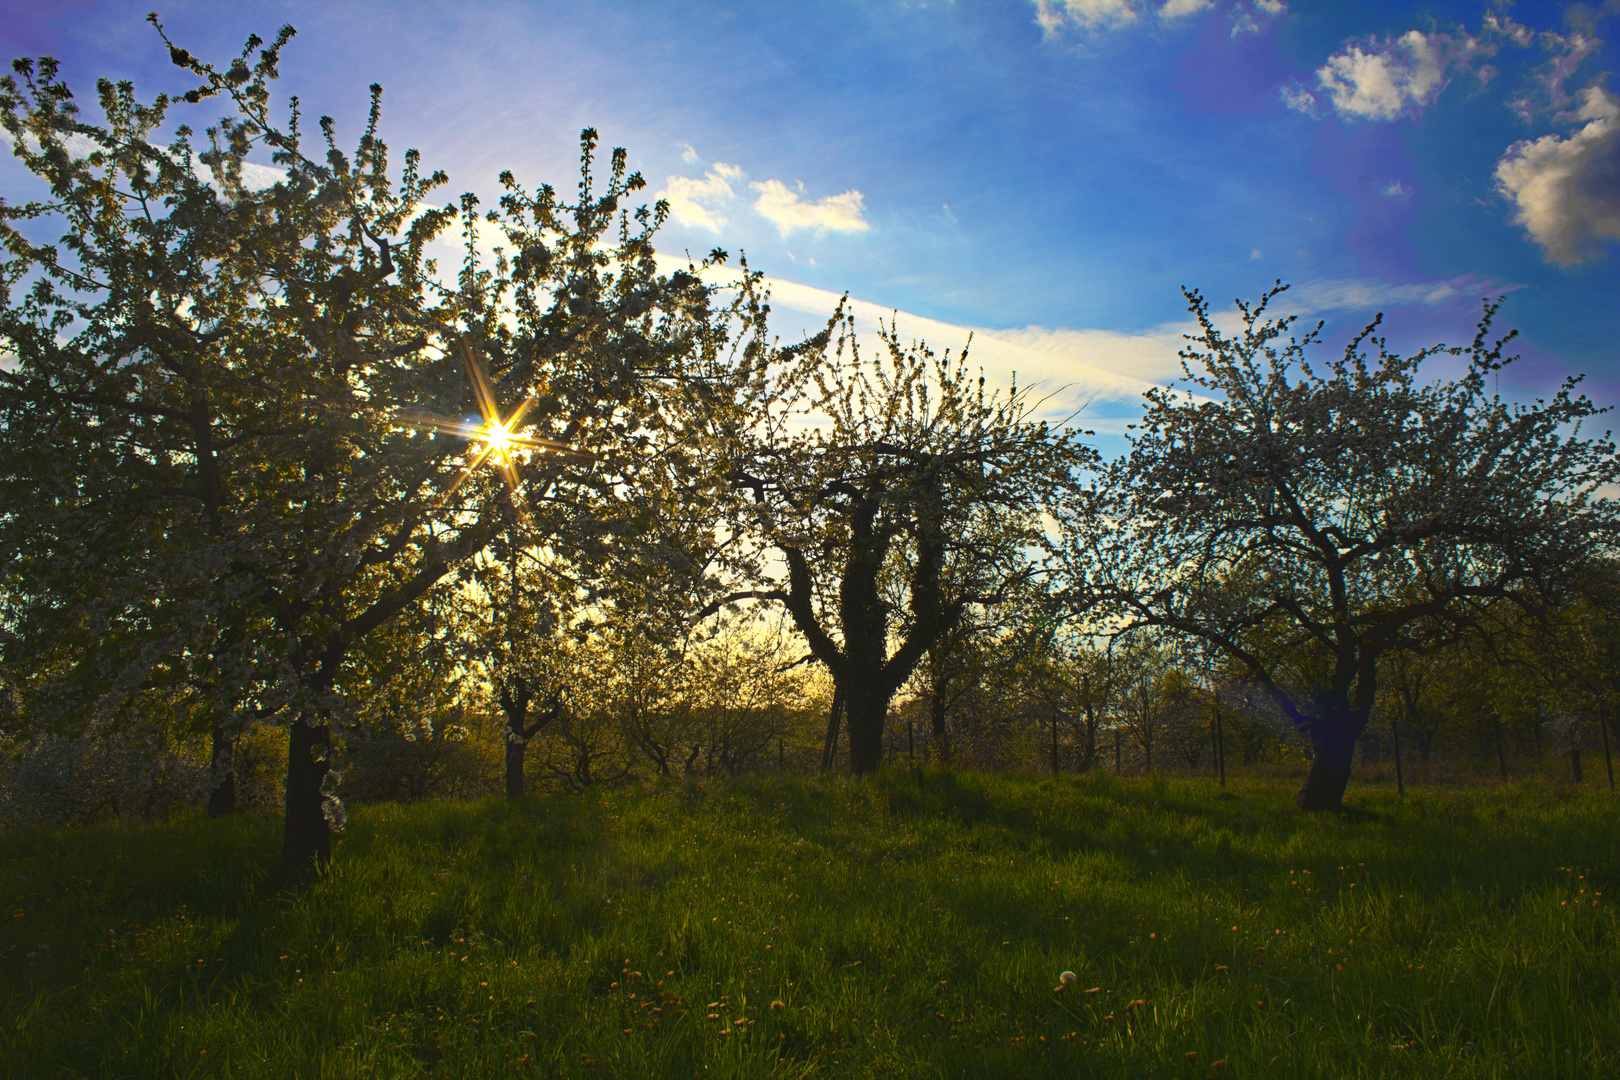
906	925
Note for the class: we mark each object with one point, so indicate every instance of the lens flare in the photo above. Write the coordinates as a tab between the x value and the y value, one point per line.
495	442
498	441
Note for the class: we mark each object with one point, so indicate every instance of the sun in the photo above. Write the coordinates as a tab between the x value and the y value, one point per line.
501	443
497	439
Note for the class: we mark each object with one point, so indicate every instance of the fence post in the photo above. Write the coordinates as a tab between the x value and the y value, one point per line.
1603	723
1400	777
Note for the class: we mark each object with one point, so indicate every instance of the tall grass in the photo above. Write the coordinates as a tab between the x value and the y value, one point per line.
906	925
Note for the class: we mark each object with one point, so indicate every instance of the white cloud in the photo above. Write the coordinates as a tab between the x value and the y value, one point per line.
689	155
1119	365
696	202
1111	367
1068	369
1152	356
1297	98
1567	53
254	177
1566	191
77	146
1504	26
1180	9
789	211
1254	253
1248	18
1097	16
1384	80
1054	15
703	202
1394	190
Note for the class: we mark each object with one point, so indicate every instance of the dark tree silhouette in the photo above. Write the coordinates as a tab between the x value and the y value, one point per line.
1307	523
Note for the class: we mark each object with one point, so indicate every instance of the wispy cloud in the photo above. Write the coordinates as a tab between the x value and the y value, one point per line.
1387	78
1252	18
1367	294
1566	190
1064	371
698	202
1093	375
703	202
1566	52
1099	16
1054	16
789	211
1180	9
1297	98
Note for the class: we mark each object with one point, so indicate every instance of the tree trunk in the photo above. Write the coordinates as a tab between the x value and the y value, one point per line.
829	747
1089	746
1333	738
1575	764
222	767
936	718
306	837
515	705
514	766
867	712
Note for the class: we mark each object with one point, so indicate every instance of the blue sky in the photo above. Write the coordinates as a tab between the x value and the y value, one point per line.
1045	174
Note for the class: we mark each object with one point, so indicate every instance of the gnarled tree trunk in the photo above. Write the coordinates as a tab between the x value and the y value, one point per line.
222	768
1333	742
514	767
867	708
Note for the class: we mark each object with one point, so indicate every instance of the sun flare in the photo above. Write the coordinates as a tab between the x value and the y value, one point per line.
497	440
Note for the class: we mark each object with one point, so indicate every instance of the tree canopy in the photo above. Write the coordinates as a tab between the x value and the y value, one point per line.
233	441
1306	521
264	461
880	500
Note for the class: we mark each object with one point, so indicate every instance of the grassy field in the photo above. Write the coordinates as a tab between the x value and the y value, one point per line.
911	925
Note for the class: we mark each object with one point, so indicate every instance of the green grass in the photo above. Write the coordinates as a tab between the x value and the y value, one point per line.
909	925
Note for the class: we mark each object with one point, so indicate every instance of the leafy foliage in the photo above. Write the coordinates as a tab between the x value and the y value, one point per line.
1306	523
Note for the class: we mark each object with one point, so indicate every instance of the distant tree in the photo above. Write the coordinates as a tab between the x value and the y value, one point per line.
1155	698
990	653
512	627
879	501
1305	522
